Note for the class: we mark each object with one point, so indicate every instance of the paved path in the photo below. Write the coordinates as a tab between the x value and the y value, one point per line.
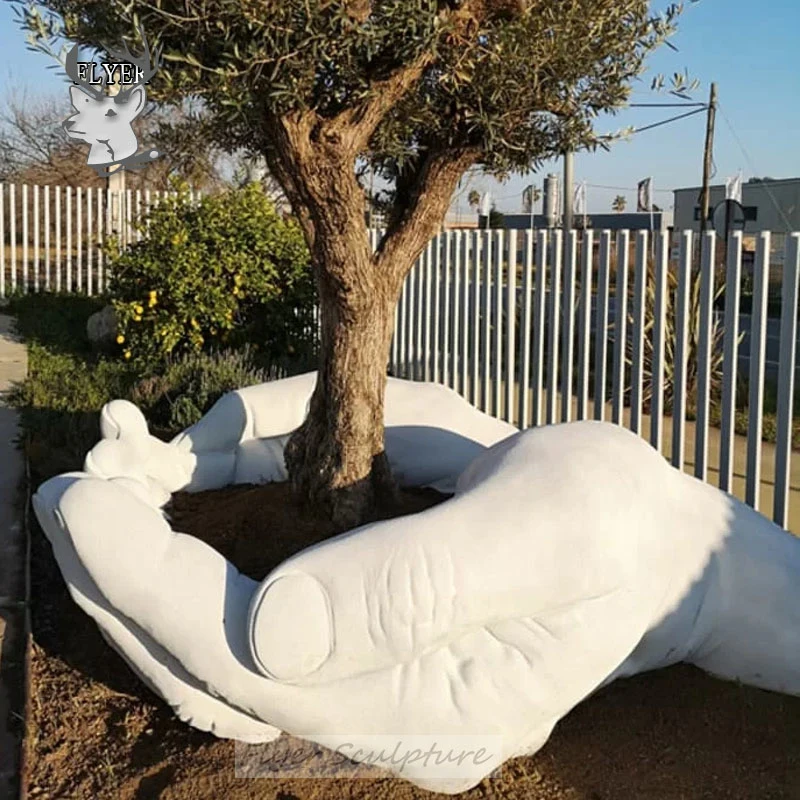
13	367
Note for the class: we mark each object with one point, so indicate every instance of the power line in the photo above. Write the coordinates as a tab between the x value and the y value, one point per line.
624	188
749	160
671	119
666	105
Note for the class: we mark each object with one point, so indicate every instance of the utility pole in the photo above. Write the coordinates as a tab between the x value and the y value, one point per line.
705	195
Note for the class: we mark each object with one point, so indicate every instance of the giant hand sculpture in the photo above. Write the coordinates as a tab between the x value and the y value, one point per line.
569	555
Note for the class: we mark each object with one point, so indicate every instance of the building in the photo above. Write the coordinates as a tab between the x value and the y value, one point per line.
771	205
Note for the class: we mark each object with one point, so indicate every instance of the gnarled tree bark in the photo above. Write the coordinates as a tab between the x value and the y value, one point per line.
336	459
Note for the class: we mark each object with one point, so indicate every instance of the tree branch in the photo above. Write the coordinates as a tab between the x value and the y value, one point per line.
424	209
364	118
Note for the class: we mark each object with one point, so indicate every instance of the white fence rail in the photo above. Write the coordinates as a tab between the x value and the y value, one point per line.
535	329
51	237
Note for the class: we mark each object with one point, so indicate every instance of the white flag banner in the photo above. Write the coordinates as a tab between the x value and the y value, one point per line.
733	188
579	199
644	195
486	204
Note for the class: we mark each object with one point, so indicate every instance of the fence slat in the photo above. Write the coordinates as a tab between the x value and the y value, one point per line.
128	216
426	365
601	326
661	269
539	303
620	325
47	282
637	365
786	368
79	231
758	339
100	241
89	241
585	324
511	327
36	235
68	203
497	287
138	216
486	316
451	265
467	249
25	254
57	190
707	252
730	357
681	349
568	324
553	318
419	310
475	316
526	306
437	306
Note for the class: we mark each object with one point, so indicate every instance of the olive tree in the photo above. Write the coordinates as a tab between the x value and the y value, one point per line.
420	90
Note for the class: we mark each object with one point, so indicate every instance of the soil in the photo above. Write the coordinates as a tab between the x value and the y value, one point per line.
97	733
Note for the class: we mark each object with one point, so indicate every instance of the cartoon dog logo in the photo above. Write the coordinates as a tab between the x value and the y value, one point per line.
105	121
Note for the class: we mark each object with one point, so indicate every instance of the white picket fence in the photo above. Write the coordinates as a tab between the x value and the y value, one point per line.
51	237
528	326
534	337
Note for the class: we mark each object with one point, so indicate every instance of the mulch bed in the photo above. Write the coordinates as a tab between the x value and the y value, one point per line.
97	733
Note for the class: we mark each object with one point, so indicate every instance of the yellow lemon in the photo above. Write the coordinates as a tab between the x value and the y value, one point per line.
127	354
138	309
137	318
120	339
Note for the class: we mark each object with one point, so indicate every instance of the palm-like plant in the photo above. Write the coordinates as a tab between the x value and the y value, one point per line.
619	204
670	330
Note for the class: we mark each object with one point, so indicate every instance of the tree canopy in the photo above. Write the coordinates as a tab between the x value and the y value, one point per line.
503	83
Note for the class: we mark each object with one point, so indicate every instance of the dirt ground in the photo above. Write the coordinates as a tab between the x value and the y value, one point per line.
97	733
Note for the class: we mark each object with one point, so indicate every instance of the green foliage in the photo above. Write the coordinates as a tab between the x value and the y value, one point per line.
68	384
56	321
215	273
670	334
517	81
191	384
496	219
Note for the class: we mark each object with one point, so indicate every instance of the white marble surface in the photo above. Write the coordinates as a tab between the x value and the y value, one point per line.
569	555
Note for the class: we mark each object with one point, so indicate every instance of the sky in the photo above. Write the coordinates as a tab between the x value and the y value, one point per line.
750	49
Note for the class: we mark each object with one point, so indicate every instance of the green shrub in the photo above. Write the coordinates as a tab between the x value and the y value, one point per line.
190	385
213	273
60	399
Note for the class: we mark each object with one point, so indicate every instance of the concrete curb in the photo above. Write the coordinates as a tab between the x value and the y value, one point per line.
14	572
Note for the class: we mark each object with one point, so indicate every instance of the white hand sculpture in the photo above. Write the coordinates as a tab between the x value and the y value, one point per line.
570	555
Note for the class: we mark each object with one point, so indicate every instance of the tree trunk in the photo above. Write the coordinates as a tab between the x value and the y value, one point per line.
336	459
